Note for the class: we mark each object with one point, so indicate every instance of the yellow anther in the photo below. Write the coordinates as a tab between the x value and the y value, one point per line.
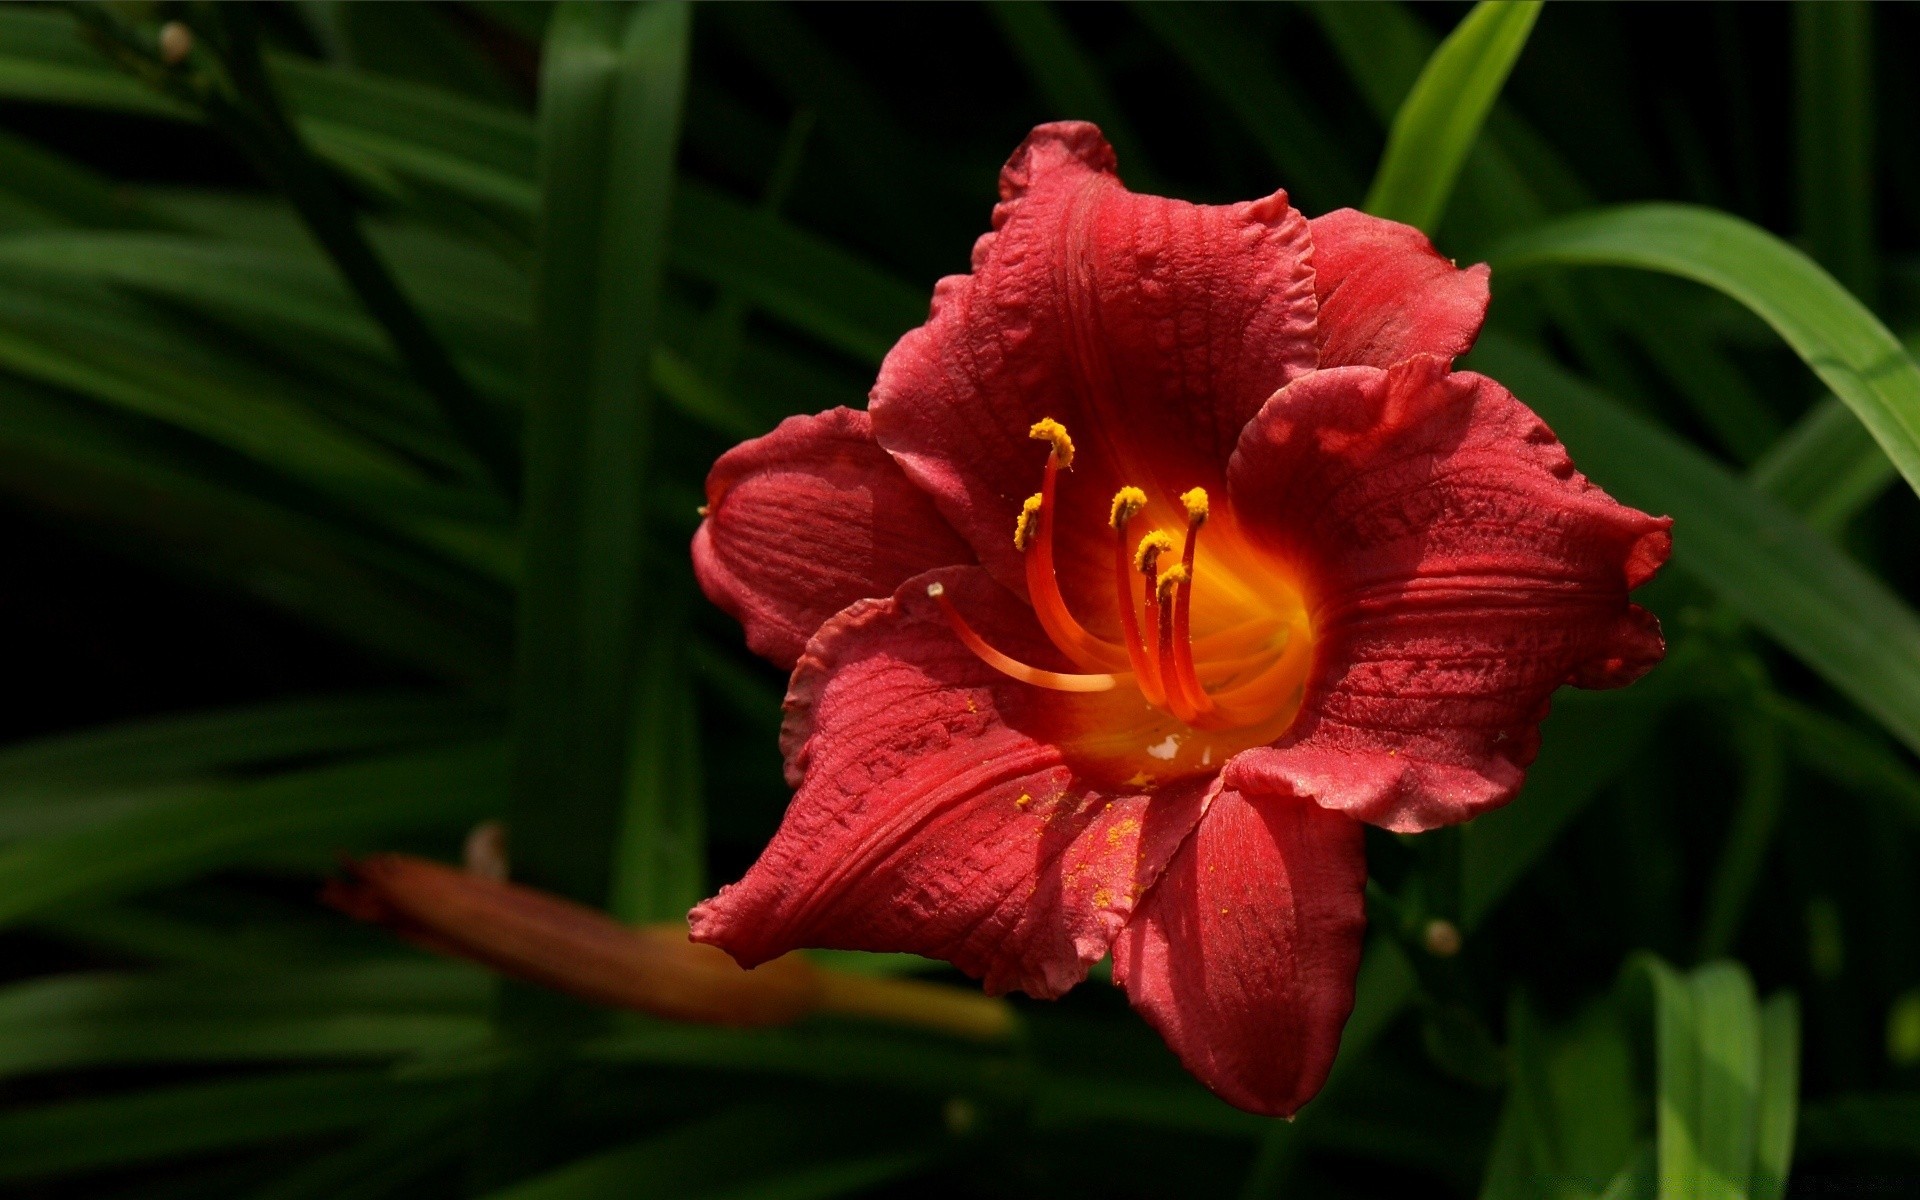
1027	523
1046	429
1170	578
1151	548
1127	503
1196	505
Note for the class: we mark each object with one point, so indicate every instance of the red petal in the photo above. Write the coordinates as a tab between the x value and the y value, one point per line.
1154	329
935	813
1243	956
1459	570
808	519
1386	294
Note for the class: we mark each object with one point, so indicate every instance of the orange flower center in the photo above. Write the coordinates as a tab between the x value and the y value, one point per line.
1235	683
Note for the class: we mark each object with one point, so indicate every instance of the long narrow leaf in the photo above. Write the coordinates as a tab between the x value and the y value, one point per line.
610	118
1844	343
1440	119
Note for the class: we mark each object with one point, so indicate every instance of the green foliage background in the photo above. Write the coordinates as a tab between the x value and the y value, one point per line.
358	375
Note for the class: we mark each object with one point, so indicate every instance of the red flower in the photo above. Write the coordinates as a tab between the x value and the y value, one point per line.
1285	572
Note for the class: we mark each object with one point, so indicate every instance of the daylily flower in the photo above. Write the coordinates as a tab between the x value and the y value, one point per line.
1170	551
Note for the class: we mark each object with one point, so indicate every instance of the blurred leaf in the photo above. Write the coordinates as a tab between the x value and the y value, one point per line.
1440	119
180	835
1827	467
1070	80
1831	331
276	1014
43	57
164	503
1229	61
1585	743
755	1151
660	859
1726	1077
1849	756
1862	1123
1779	1097
1779	573
1573	1112
1756	819
1833	134
610	114
232	739
198	1118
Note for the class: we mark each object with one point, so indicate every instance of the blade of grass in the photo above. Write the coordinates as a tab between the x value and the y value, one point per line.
377	1011
1778	572
610	110
1763	795
754	1150
1848	756
174	510
1833	136
1844	344
1779	1097
1228	60
197	1118
1439	122
243	103
240	738
212	825
1069	80
1707	1037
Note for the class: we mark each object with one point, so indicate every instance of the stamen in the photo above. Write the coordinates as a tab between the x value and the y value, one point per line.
1013	668
1149	551
1188	685
1025	524
1127	503
1043	587
1046	429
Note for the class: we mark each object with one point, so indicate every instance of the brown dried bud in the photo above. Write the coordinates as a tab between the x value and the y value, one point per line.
1442	938
544	939
176	43
569	947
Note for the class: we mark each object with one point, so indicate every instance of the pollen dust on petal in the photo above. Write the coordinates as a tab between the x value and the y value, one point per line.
1122	829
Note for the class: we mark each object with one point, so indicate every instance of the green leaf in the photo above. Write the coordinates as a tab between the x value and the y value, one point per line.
161	502
233	739
1833	135
1843	343
1715	1061
1069	80
1229	61
660	859
610	117
1585	743
43	57
1708	1046
1779	573
1440	120
1865	1123
1826	468
198	1118
755	1151
177	836
1573	1111
378	1011
1779	1097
